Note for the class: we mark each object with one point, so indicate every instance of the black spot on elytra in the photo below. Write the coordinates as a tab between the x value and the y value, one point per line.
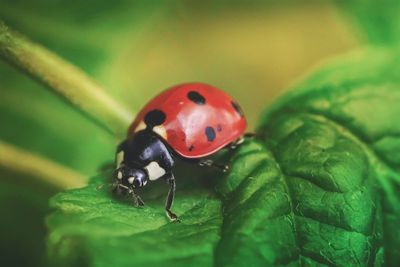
154	117
237	108
219	127
191	148
210	133
196	98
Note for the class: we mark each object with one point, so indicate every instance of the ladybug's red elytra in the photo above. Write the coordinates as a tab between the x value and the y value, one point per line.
190	121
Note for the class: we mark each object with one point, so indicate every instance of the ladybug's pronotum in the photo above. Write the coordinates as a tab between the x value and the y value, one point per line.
190	121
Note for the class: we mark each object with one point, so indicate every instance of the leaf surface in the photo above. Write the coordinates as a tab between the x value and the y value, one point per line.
318	187
89	222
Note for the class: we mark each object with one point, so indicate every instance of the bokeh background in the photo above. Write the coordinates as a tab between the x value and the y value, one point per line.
252	49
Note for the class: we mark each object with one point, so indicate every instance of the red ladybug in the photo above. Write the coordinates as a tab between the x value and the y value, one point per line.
189	121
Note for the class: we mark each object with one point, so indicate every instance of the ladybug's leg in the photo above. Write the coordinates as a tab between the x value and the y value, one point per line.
211	163
170	199
128	193
118	190
137	200
249	135
240	140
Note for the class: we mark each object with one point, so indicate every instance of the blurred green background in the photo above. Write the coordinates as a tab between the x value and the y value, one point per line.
134	49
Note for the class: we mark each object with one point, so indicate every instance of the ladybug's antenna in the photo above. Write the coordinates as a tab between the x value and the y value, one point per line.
101	186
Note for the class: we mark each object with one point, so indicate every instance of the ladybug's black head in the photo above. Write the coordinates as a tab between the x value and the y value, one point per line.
131	177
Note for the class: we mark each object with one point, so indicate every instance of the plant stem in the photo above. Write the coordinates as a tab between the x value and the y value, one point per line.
61	177
65	79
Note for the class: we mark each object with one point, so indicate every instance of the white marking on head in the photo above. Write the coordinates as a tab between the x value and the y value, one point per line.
119	158
131	179
160	130
154	170
119	175
141	126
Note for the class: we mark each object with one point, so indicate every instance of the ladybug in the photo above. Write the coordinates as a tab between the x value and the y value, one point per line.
189	121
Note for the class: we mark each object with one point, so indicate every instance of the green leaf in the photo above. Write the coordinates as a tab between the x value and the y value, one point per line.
339	132
378	20
318	187
88	222
317	206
